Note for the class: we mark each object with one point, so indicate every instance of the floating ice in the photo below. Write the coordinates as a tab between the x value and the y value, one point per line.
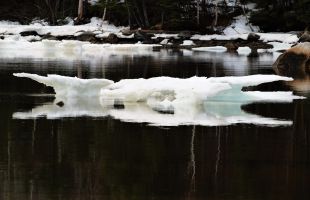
188	43
216	49
70	87
244	51
196	100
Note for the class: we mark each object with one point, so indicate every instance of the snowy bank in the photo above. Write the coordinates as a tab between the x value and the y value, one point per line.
96	24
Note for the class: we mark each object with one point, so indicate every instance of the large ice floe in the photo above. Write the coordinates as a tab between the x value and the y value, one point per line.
160	101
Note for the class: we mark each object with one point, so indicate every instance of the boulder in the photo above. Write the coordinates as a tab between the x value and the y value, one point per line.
305	37
112	38
126	32
253	37
295	62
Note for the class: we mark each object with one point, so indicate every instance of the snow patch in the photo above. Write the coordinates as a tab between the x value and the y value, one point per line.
240	26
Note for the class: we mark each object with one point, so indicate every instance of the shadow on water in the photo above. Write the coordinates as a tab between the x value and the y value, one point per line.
97	158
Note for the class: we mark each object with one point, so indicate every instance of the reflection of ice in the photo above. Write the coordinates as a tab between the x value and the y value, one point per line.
207	114
68	49
161	101
71	108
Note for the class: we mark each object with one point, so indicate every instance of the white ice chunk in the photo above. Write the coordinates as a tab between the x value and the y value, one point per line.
244	51
69	87
196	100
216	49
188	43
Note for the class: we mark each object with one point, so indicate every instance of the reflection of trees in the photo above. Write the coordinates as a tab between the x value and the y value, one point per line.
91	159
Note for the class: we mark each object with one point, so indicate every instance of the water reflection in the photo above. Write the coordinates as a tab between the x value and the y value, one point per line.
210	113
96	159
102	158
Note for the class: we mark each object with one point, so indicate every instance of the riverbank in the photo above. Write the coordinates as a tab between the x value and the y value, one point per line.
239	37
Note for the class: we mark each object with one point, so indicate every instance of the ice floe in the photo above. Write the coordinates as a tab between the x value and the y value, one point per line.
188	43
216	49
196	100
244	50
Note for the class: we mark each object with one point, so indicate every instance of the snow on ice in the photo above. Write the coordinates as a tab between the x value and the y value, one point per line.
196	100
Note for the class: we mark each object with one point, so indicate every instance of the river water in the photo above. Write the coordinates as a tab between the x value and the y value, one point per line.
100	157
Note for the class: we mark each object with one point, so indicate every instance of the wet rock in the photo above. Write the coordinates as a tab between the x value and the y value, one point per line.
305	37
231	47
49	37
28	33
143	37
126	32
86	36
295	62
252	37
112	38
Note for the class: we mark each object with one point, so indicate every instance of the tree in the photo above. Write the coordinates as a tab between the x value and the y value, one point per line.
286	14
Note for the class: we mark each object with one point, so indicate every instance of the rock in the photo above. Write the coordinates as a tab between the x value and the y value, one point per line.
231	47
28	33
252	37
305	37
60	104
82	21
49	37
112	38
295	62
140	36
87	36
2	37
126	32
185	35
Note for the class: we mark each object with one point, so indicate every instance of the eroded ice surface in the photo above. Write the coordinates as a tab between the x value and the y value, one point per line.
163	101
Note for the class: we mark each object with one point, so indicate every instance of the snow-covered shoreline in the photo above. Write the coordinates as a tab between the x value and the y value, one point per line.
97	36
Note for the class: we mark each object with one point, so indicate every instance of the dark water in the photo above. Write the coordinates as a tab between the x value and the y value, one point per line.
104	158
